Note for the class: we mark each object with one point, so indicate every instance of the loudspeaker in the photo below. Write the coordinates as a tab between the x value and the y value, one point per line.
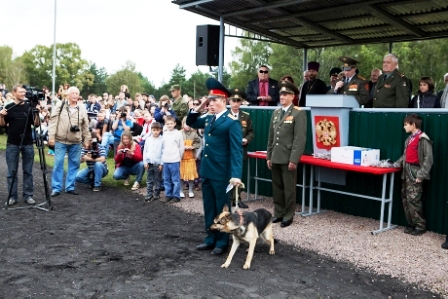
207	45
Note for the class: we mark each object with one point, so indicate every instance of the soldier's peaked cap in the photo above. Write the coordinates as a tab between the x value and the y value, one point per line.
287	87
348	63
237	94
216	89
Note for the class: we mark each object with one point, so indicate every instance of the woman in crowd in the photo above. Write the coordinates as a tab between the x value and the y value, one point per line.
425	98
129	160
164	110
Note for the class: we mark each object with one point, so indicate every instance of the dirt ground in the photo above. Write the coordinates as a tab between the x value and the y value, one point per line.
110	244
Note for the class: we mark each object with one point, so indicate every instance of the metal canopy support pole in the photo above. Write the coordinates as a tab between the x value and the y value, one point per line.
390	47
305	59
221	48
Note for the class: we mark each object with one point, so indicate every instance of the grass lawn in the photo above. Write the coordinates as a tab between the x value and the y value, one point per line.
106	181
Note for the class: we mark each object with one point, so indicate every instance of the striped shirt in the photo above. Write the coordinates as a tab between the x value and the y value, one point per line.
101	153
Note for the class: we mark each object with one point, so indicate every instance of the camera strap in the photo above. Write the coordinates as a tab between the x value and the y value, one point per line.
59	115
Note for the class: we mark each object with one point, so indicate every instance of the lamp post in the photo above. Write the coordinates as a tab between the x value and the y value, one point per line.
54	52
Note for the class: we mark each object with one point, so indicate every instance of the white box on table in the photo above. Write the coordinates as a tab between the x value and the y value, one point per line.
355	155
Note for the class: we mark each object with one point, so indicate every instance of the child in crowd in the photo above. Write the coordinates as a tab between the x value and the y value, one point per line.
188	171
152	160
416	162
173	150
147	128
197	181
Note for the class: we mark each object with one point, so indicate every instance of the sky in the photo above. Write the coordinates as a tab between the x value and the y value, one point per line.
154	34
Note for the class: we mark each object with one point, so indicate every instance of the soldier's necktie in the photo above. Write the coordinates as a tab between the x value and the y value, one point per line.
283	113
236	115
213	120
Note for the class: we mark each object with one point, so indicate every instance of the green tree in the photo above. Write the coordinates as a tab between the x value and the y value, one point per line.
195	85
146	85
12	71
286	60
98	85
127	76
70	67
246	60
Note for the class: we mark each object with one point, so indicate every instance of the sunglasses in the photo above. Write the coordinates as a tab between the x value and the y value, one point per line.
263	72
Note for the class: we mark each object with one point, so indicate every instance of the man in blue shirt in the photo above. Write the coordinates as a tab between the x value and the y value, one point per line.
95	158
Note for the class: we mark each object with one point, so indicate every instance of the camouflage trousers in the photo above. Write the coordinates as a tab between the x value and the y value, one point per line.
411	196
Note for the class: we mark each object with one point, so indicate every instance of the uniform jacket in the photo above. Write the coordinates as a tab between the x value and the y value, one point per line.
222	156
425	157
392	93
246	128
59	126
357	87
180	108
312	87
287	136
253	89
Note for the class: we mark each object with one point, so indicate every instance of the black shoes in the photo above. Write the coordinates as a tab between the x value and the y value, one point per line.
55	193
204	247
445	245
418	232
218	251
72	192
286	223
409	229
175	199
276	220
242	205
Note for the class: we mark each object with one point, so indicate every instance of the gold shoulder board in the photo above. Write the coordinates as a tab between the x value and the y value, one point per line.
362	78
232	116
297	108
245	112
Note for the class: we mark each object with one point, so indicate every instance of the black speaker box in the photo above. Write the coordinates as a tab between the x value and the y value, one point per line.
207	45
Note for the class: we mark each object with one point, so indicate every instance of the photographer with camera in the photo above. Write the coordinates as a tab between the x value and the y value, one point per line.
69	126
95	157
164	110
16	118
123	122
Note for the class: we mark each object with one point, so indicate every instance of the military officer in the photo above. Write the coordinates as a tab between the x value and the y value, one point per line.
222	159
286	143
352	84
179	106
392	88
235	100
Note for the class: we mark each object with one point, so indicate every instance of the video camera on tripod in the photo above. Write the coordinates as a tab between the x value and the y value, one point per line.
34	95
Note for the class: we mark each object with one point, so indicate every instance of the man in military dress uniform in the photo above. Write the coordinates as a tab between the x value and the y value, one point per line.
179	106
352	84
392	88
235	100
222	159
286	143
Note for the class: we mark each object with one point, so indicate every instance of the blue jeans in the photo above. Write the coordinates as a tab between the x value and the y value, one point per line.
171	179
12	159
99	171
107	140
123	172
74	155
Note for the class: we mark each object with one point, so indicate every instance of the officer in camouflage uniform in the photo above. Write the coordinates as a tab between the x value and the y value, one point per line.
236	98
286	143
352	84
416	162
179	106
393	88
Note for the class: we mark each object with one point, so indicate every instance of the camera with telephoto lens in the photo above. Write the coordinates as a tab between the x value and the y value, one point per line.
74	128
94	151
33	94
123	115
166	105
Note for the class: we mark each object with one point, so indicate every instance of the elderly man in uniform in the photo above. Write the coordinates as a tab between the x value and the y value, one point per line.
262	91
313	85
179	106
374	75
222	159
286	143
352	84
235	100
392	89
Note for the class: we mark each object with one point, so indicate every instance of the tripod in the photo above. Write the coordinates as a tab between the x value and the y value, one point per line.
44	206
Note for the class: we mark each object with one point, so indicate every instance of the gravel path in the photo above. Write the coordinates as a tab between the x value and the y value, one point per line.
417	260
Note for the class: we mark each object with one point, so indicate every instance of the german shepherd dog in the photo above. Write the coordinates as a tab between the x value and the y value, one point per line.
247	227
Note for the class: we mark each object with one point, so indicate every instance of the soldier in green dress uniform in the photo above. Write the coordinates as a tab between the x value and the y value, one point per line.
179	106
286	143
235	100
